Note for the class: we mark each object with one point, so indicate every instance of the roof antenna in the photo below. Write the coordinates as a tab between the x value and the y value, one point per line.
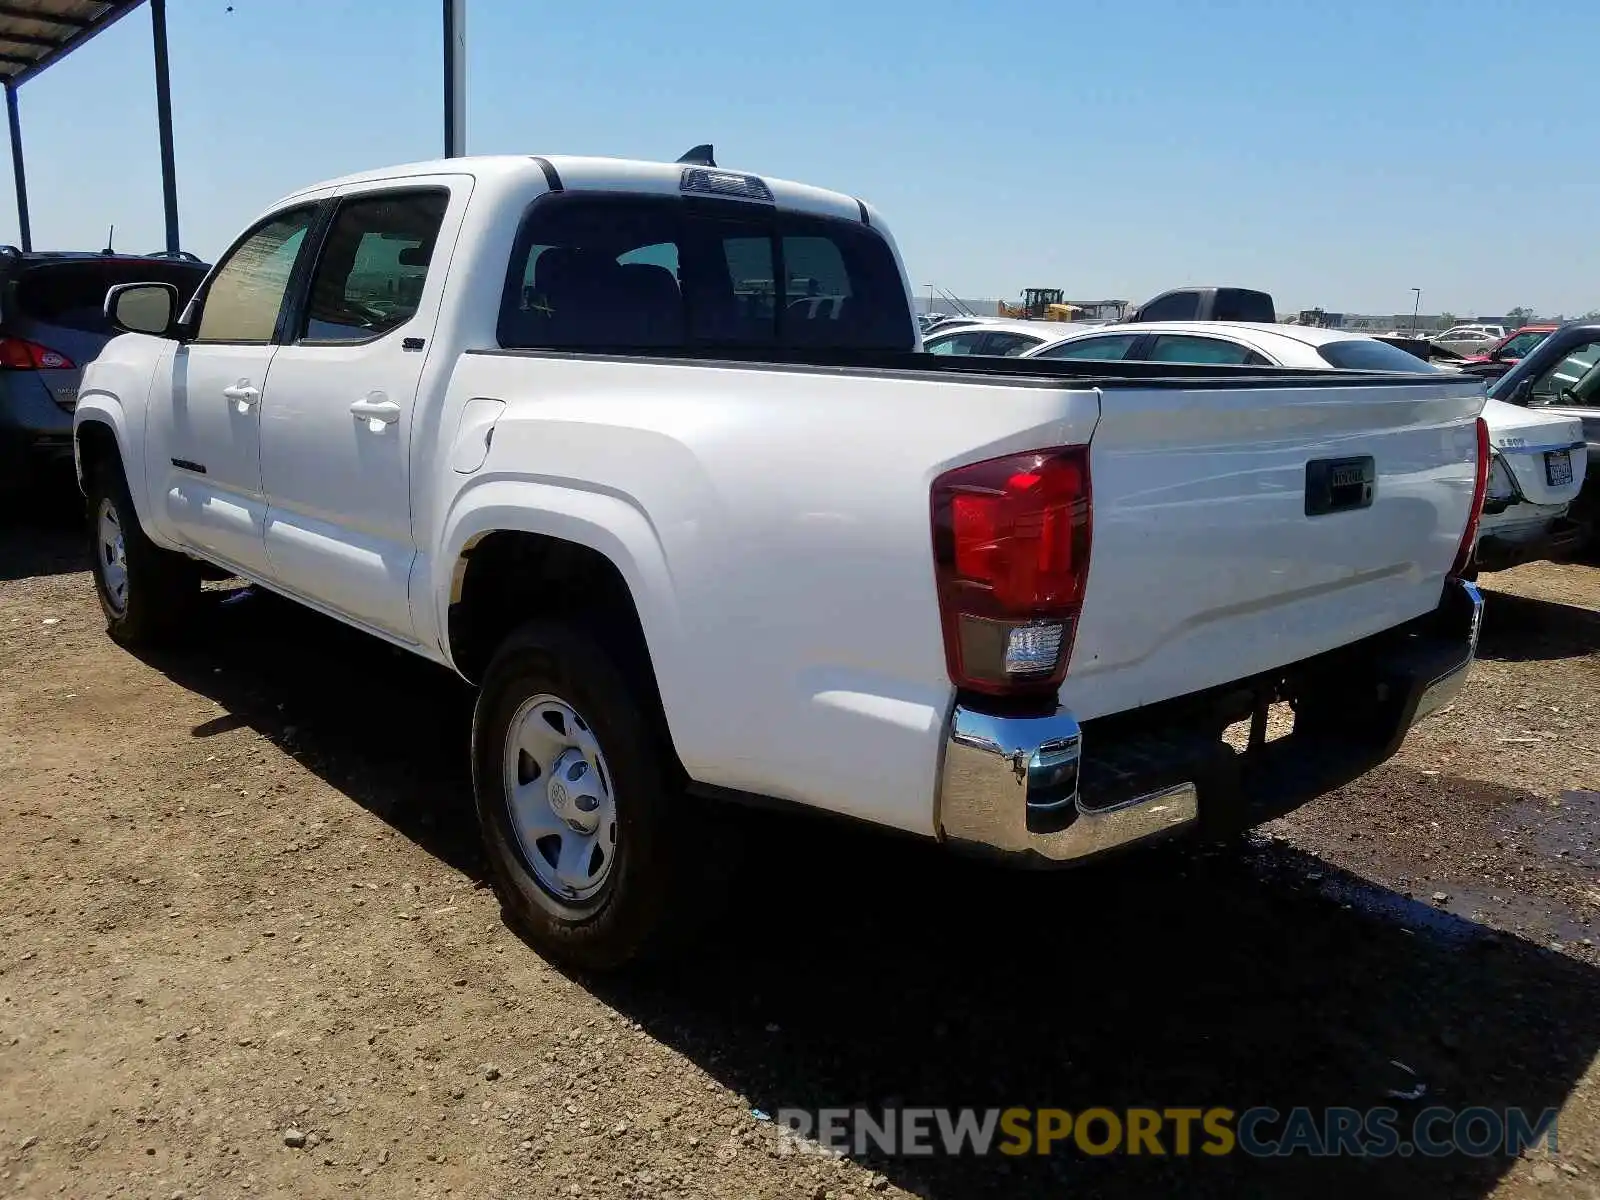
700	156
111	236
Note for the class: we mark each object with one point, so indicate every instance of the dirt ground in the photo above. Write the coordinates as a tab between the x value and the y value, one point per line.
241	895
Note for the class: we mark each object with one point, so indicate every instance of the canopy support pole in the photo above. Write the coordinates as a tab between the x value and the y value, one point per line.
17	169
169	174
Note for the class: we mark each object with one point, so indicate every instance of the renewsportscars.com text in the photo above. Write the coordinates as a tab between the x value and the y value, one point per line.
1261	1132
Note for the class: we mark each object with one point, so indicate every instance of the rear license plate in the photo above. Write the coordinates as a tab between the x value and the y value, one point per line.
1558	467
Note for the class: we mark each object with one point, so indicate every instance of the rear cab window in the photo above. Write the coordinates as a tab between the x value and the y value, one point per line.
613	271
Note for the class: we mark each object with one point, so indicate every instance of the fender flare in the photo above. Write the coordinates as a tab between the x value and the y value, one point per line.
103	408
100	407
609	523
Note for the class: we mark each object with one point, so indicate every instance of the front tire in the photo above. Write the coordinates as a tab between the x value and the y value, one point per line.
149	595
575	789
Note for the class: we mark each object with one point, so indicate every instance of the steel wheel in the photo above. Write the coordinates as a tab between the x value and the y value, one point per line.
113	552
560	795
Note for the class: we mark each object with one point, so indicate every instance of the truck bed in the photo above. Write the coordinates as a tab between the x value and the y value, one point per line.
776	528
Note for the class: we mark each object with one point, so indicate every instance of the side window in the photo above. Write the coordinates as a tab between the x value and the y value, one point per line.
1111	347
1008	345
1573	380
1183	348
245	294
1180	306
374	261
955	343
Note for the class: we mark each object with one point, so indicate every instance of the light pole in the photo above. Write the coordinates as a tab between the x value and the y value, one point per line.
930	297
1416	308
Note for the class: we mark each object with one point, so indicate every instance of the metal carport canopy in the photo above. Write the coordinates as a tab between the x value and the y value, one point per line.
37	34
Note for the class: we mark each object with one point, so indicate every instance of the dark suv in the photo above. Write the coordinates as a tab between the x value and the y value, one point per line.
52	324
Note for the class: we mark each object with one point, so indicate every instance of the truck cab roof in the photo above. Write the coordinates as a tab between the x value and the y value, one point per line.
562	172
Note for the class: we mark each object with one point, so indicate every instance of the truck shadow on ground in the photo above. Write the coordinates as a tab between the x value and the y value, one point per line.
1525	629
330	697
898	979
897	976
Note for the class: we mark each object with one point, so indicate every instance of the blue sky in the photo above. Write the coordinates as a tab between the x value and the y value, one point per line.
1335	153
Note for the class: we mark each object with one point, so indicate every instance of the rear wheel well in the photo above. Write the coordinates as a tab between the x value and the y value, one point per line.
508	578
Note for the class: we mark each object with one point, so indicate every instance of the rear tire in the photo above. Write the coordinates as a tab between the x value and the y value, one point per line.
149	595
576	792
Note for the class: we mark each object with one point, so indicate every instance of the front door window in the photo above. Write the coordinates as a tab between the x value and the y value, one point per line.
246	292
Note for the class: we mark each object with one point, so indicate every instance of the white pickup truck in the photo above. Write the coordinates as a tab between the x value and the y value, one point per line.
649	452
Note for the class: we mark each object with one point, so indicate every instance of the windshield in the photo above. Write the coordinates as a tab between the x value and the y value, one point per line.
1520	345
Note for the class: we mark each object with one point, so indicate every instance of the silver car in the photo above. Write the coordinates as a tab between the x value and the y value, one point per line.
52	324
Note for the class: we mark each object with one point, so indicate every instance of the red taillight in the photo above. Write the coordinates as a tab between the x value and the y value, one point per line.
19	354
1480	489
1011	558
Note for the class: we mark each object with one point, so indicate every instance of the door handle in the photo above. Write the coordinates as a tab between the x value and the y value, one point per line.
242	392
380	412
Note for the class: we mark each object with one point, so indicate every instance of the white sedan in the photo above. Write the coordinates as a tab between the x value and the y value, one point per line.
1538	459
1230	342
1469	339
997	337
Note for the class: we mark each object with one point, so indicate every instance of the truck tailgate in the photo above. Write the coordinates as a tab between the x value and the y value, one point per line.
1209	564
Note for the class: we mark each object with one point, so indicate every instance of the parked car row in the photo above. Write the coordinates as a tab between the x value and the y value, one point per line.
1541	457
1506	353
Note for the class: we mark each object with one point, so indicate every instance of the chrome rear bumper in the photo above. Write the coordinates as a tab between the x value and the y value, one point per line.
1011	783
